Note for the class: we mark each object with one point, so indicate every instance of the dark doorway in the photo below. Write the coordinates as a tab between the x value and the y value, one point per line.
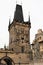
7	60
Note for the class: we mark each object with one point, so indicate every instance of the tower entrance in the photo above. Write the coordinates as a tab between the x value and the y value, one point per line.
6	61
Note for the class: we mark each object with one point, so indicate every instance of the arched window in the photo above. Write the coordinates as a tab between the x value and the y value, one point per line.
22	49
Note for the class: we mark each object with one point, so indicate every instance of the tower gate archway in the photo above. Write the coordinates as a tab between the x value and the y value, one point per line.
6	61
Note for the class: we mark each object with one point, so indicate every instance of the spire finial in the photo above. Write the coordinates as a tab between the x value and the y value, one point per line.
19	2
16	1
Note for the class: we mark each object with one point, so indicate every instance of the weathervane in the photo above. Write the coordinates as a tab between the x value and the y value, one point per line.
21	2
18	2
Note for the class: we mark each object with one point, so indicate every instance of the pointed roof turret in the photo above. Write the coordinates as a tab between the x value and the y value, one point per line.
29	21
18	16
9	23
29	18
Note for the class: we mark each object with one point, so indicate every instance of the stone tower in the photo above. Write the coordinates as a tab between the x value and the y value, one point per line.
39	39
19	32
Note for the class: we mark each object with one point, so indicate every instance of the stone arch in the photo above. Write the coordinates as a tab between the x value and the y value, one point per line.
7	60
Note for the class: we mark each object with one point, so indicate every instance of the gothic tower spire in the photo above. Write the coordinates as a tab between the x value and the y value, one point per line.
18	16
29	22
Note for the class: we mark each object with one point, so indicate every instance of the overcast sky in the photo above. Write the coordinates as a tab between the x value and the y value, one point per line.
32	7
